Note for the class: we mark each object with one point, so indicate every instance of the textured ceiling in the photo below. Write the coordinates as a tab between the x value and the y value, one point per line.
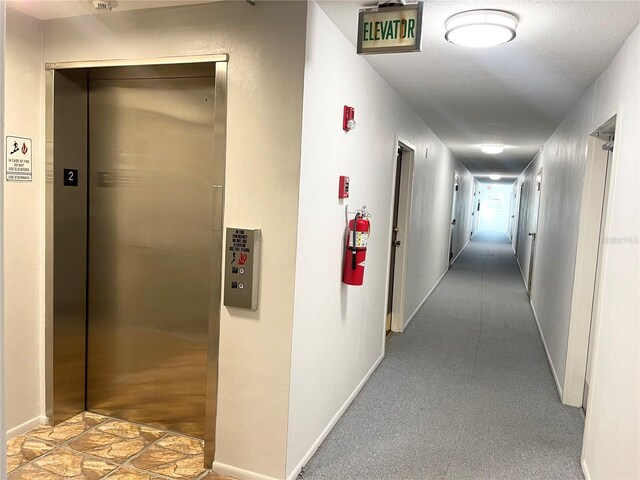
50	9
514	94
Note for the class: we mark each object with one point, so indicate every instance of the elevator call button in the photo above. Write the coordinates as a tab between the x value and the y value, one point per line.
242	261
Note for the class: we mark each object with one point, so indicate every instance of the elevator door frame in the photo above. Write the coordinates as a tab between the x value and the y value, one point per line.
53	412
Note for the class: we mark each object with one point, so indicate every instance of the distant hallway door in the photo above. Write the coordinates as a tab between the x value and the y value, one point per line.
395	242
534	231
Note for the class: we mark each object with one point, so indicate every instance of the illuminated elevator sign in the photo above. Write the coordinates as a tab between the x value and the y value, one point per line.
393	29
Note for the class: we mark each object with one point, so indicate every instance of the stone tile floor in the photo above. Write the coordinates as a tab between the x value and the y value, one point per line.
91	446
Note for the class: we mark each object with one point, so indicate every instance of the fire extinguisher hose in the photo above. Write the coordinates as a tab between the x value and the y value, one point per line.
353	248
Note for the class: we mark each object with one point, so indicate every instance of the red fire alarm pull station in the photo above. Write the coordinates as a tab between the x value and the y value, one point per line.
348	119
344	187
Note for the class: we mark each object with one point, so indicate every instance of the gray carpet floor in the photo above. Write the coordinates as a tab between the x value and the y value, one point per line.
464	393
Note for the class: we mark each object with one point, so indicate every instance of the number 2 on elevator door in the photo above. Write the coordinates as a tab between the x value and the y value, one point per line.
70	177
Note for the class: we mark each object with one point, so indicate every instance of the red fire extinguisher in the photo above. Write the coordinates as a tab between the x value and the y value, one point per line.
356	248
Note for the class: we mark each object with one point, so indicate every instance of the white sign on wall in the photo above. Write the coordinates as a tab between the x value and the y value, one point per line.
18	164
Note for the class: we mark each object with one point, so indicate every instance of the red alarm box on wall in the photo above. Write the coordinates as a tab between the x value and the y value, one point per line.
348	118
343	191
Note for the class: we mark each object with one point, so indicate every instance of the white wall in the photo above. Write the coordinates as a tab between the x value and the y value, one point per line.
338	330
431	211
3	460
266	48
24	224
495	203
612	433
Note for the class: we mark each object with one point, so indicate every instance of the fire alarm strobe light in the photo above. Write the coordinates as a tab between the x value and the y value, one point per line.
348	122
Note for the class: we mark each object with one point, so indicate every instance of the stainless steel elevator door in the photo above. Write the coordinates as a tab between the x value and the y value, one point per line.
151	170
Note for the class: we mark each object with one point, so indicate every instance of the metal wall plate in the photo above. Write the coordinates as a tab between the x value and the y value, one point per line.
242	268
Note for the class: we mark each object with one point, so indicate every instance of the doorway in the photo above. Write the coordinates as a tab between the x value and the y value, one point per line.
398	255
452	227
134	243
475	207
607	134
534	233
494	215
513	225
520	216
589	261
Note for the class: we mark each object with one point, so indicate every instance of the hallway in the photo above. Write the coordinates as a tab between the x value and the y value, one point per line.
187	184
465	393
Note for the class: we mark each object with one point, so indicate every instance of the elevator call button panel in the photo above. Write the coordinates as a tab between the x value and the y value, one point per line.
242	268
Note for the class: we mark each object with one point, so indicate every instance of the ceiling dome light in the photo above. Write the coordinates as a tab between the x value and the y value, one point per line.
481	28
492	149
495	177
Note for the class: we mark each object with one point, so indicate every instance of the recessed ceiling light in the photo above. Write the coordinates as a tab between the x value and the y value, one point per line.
492	149
481	28
495	177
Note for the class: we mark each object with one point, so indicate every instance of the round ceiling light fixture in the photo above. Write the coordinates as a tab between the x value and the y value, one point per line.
495	177
481	28
492	149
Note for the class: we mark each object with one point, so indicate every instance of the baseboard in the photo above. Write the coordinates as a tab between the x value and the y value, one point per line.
521	273
544	344
460	252
585	469
296	471
26	426
239	473
424	300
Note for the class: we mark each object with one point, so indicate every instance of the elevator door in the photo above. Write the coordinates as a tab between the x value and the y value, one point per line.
151	171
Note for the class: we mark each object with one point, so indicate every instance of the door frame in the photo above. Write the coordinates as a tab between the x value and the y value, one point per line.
519	216
452	219
402	251
590	259
3	429
220	135
513	213
534	235
475	213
